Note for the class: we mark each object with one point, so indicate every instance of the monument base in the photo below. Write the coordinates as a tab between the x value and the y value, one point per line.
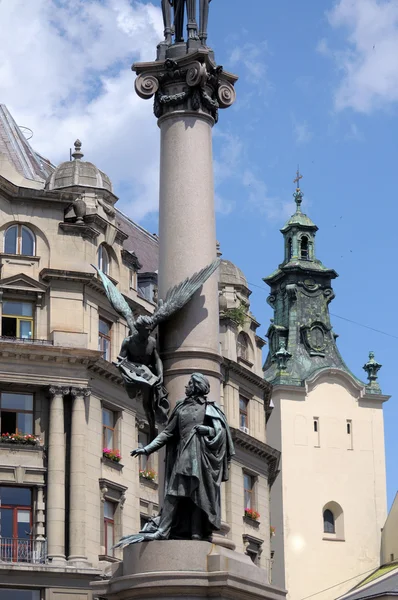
186	569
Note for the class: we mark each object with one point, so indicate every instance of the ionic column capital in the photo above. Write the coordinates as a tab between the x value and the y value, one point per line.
192	83
58	390
80	391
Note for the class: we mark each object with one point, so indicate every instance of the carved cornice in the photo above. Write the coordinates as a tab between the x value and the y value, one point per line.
130	259
245	373
259	449
79	229
49	274
191	83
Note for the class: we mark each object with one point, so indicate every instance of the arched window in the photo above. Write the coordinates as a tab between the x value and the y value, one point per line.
328	522
103	260
289	249
242	346
19	239
304	248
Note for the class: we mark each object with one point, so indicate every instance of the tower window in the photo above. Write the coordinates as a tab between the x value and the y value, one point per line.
328	522
350	444
289	249
304	248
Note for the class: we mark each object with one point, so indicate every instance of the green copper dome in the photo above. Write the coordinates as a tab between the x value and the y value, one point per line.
299	219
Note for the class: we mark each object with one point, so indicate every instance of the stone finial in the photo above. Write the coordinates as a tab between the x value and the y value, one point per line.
298	198
78	154
218	250
372	367
282	356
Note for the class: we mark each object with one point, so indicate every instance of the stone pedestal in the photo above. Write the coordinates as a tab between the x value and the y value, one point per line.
188	90
186	569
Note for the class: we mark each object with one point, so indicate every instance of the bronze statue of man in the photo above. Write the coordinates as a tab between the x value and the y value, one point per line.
199	448
179	6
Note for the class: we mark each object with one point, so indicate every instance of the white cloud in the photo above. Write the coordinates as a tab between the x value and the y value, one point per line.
368	62
260	199
302	133
65	73
251	56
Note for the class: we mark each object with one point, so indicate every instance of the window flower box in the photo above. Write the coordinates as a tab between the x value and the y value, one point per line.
252	514
148	474
20	439
271	531
113	455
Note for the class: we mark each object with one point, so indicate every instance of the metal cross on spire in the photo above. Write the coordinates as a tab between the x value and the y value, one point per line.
298	194
298	177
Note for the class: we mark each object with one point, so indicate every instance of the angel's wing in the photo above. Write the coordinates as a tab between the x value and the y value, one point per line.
116	299
180	294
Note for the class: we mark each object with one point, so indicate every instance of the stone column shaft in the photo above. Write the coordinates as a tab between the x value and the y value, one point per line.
189	89
77	487
187	234
55	497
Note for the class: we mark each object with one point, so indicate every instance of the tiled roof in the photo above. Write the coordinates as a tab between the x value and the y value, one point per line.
18	150
144	244
385	583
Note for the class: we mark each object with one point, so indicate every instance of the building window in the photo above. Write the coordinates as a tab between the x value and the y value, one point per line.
289	249
109	527
20	594
16	413
349	436
104	338
103	260
242	346
143	440
108	428
18	239
133	279
249	484
328	522
15	524
244	414
17	319
317	440
304	248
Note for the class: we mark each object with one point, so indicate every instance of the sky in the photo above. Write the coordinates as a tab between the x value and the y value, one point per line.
318	87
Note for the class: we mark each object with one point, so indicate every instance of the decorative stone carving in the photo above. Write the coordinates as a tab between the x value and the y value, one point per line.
315	338
372	367
192	82
55	390
80	391
146	86
282	356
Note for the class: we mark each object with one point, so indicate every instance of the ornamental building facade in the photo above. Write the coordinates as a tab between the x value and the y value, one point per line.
68	487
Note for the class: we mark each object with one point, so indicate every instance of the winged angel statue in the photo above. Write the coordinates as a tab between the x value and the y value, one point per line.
139	362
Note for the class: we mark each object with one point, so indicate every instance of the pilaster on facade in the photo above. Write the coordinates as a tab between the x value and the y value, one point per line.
55	496
77	481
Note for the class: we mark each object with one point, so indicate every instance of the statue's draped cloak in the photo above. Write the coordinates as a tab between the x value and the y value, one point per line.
196	466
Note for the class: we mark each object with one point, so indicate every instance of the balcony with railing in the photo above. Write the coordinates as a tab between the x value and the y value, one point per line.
18	550
26	340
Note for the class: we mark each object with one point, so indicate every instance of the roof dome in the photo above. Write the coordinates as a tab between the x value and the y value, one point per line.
230	274
78	172
299	218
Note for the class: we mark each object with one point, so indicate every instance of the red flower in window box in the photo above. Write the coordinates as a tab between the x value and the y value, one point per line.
113	455
27	439
252	514
148	474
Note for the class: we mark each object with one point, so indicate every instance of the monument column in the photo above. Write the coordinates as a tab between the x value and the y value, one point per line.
188	90
77	502
55	496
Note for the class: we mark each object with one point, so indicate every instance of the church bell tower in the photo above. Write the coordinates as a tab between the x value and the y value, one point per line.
328	504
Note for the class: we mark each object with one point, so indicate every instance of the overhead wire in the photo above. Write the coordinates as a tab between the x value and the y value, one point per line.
260	287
